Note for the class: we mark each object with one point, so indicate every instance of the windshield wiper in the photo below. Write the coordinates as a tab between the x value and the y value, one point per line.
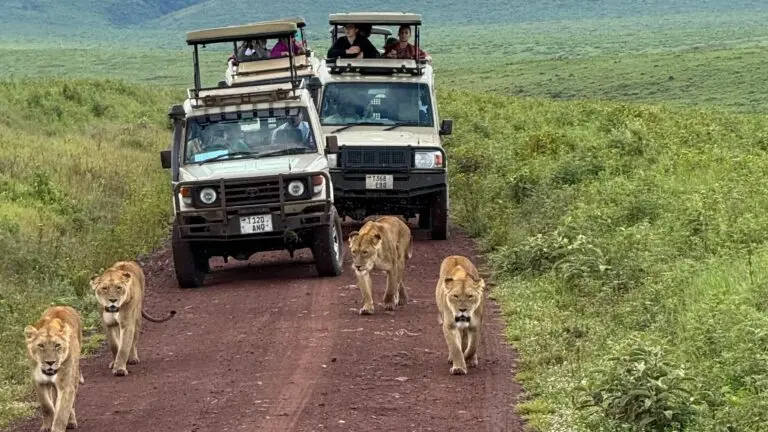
400	124
356	124
227	156
289	150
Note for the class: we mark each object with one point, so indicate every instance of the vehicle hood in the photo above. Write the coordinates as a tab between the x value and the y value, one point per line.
367	135
253	167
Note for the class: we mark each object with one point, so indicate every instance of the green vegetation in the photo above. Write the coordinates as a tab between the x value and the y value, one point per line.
634	232
80	187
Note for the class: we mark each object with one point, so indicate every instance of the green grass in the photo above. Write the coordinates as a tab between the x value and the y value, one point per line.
80	187
616	226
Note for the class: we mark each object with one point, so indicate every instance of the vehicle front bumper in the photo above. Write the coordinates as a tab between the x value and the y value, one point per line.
222	222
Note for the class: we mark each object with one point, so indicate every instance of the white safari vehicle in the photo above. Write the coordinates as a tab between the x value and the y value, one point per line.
248	169
243	72
382	114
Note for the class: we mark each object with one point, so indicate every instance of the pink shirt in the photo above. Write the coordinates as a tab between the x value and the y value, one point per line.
282	47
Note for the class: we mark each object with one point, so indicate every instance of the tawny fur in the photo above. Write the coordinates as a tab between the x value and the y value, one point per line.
120	292
384	244
459	293
53	349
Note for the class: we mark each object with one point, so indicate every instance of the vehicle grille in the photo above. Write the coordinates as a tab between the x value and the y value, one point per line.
257	192
376	158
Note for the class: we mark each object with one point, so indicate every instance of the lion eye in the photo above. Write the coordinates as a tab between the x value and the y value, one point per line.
41	346
57	346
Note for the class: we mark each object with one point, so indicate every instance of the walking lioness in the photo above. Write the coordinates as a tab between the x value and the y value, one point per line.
460	304
120	291
383	244
53	347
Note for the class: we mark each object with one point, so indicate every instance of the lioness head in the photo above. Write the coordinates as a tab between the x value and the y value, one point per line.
111	289
464	293
48	346
364	247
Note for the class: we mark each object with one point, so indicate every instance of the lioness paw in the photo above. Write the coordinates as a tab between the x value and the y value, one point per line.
366	311
72	425
472	362
133	361
119	372
458	371
389	306
402	301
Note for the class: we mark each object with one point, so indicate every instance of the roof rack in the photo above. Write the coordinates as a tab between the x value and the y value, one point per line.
375	66
218	97
373	18
260	30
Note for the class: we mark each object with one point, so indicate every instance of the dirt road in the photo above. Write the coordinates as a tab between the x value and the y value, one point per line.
269	346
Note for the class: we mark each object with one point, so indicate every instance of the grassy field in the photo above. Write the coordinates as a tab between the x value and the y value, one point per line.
612	165
80	187
628	242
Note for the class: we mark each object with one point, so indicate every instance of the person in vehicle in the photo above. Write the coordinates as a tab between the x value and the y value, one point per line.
346	114
250	50
353	45
296	123
403	49
281	48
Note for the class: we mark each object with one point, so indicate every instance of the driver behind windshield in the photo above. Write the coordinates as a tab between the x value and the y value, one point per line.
297	122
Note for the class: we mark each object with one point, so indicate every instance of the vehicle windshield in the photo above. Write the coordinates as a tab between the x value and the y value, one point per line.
248	134
386	103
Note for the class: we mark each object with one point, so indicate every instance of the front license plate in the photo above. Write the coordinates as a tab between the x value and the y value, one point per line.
378	181
255	224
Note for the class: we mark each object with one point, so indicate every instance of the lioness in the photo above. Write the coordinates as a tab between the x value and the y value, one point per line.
53	348
460	304
120	291
383	244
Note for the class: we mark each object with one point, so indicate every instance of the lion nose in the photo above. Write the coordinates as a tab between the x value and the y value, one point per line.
462	309
50	363
113	300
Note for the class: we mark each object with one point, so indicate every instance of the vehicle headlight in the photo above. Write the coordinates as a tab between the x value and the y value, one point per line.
296	188
208	195
333	160
428	159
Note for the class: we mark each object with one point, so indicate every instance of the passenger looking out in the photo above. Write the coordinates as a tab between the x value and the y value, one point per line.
403	49
353	45
281	48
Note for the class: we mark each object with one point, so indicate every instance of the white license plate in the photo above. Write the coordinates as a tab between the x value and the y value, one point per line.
255	224
378	181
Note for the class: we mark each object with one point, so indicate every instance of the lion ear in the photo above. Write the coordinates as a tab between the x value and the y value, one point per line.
448	279
94	282
352	235
126	276
30	332
481	284
376	239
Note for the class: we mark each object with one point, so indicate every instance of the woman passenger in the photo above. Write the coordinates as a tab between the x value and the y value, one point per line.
402	49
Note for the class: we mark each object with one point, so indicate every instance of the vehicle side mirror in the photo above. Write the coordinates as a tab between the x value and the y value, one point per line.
331	144
165	158
446	127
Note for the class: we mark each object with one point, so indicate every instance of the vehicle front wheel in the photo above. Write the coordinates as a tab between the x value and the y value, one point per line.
327	247
189	264
439	217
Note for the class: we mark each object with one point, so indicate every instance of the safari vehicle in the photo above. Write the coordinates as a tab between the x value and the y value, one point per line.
245	72
247	168
382	115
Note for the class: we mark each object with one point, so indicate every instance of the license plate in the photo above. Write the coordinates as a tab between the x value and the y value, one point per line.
255	224
378	181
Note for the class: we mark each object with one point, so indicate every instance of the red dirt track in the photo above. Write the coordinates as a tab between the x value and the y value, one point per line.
269	346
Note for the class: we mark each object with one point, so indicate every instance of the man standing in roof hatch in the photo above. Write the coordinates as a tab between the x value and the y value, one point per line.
353	45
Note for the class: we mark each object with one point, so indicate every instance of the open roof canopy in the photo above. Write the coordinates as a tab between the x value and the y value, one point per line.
382	18
299	21
262	30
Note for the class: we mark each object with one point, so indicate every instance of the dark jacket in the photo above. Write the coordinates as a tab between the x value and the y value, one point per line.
342	45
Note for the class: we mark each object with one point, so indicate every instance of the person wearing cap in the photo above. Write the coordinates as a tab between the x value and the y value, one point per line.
353	45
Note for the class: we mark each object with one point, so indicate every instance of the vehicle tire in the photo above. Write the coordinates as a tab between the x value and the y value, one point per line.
328	247
439	216
187	262
425	218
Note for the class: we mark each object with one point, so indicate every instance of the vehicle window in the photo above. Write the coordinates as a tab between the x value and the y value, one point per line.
384	103
248	133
